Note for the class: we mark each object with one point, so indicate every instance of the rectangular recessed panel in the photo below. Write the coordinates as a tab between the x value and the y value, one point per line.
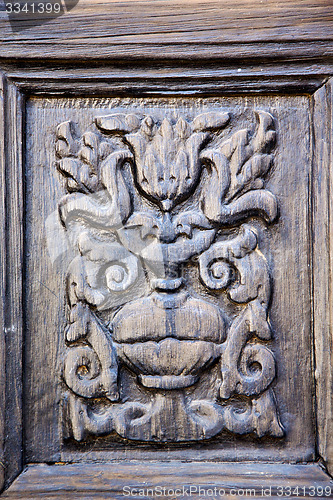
167	271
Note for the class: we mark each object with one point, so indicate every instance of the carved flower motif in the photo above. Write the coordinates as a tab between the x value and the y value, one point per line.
167	160
167	156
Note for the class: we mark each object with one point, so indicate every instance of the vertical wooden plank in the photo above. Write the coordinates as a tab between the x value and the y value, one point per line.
322	268
2	281
14	278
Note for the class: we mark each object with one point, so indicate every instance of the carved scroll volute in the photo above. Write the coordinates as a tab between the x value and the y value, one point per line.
251	288
238	267
91	370
145	196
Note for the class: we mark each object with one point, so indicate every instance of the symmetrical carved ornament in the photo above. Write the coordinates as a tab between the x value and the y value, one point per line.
154	354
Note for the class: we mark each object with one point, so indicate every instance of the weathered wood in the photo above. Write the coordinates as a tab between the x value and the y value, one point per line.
201	80
13	167
171	29
280	243
165	335
119	480
119	50
322	231
2	282
261	51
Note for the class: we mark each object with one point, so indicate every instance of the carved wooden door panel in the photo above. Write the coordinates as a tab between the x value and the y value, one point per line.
164	227
167	284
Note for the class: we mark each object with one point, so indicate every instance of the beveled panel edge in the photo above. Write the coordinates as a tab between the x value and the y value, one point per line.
120	479
13	121
2	279
11	371
322	209
169	78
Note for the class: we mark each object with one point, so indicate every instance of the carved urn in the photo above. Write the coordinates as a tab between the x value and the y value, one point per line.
168	339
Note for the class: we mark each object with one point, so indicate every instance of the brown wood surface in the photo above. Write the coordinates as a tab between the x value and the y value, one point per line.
286	244
139	48
169	78
109	480
93	454
163	29
2	285
322	231
12	346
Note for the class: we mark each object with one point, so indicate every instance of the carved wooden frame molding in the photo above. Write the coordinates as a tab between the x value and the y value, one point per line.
167	78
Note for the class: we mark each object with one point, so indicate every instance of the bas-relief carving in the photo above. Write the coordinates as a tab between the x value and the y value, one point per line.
149	356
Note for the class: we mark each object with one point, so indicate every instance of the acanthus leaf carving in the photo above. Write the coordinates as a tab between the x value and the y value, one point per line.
236	168
92	166
134	323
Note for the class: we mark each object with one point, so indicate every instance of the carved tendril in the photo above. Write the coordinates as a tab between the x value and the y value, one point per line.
253	290
91	370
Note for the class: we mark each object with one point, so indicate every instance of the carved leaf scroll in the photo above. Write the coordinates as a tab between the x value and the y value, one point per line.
236	168
92	165
146	195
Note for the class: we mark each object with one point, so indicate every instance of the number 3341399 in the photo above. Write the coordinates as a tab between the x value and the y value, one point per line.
33	8
304	491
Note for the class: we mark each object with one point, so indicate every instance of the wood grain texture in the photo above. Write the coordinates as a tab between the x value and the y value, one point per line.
170	29
171	79
322	267
280	47
166	336
109	480
286	245
2	282
14	280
